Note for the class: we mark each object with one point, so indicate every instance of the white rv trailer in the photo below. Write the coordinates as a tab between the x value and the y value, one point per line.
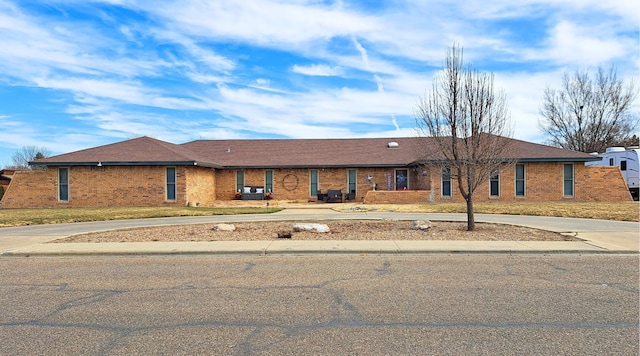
627	160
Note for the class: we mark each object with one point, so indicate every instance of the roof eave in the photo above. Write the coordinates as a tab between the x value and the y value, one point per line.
534	160
143	163
316	166
560	159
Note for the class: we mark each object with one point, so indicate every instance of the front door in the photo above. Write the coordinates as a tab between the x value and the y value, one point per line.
402	179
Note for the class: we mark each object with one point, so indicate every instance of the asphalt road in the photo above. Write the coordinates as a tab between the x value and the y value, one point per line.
360	305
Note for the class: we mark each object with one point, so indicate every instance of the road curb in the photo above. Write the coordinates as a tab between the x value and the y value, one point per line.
364	252
598	237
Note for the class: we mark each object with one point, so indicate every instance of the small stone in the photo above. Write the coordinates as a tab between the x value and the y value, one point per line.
284	235
224	227
421	225
311	227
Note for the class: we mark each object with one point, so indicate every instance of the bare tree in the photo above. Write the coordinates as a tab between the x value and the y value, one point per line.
633	141
589	114
22	157
467	121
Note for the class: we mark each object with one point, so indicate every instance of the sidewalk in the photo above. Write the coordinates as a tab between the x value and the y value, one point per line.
600	237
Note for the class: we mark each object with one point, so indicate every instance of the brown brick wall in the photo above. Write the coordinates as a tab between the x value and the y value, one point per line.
291	184
31	189
91	186
294	184
198	186
397	197
384	178
602	184
225	184
288	184
544	182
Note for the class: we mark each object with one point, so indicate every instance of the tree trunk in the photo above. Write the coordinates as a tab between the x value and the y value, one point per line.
471	222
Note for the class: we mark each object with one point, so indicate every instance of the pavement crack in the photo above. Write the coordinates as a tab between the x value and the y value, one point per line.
385	269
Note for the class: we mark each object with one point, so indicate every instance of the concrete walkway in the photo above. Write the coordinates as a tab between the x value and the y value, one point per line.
599	236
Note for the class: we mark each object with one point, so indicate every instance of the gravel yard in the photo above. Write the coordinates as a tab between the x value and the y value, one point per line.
339	230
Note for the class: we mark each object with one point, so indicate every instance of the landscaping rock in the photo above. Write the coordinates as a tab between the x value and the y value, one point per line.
224	227
311	227
421	225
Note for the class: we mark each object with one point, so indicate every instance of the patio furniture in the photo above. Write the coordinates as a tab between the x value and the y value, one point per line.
350	196
334	196
252	193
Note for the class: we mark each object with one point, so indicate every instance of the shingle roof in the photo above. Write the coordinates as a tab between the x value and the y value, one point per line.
308	152
532	152
142	150
286	153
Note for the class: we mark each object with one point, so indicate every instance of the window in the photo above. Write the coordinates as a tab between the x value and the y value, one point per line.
520	180
494	185
351	181
268	181
171	183
623	165
313	182
611	162
239	180
63	184
568	180
446	181
402	179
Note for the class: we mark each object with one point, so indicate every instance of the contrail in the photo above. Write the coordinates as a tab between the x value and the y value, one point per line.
367	66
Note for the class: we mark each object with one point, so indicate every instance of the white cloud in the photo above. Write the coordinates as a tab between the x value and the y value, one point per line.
320	70
263	83
124	92
36	46
581	45
198	55
302	115
300	68
271	23
16	133
524	100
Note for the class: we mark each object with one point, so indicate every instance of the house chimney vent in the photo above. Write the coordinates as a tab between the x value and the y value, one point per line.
392	144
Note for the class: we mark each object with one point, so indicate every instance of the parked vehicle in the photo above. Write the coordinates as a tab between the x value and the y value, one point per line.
627	160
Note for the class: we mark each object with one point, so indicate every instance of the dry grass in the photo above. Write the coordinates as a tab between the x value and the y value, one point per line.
623	211
22	217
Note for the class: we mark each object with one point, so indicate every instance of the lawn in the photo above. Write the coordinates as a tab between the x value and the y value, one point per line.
623	211
21	217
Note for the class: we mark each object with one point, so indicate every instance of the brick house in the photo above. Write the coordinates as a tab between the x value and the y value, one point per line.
149	172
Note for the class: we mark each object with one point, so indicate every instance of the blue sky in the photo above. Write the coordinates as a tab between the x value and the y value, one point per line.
76	74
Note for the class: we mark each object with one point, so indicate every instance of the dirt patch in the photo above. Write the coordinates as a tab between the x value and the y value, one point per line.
339	230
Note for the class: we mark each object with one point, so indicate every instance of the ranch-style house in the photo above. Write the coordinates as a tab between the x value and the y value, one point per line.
148	172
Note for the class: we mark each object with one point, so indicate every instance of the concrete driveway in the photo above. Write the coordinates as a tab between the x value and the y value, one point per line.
600	236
